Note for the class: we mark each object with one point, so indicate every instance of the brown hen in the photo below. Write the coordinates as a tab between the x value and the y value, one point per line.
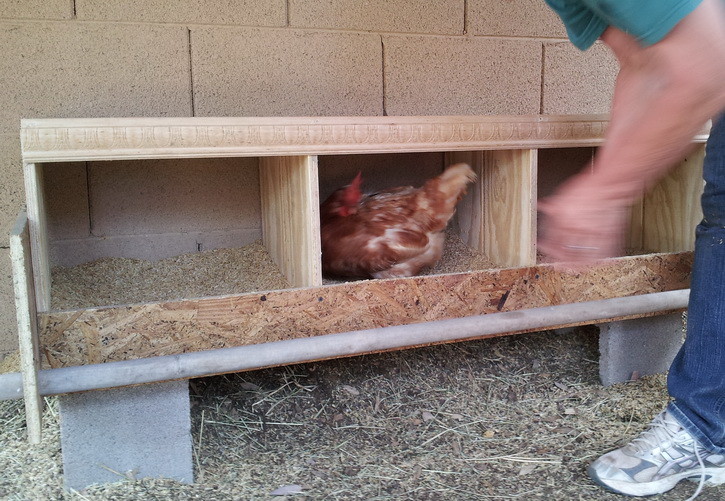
392	233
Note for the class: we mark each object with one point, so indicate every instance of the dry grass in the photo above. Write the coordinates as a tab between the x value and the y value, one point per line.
510	418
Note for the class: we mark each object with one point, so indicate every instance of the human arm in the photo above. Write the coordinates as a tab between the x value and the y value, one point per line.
664	94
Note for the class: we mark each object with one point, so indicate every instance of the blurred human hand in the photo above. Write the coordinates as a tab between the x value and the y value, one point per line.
581	224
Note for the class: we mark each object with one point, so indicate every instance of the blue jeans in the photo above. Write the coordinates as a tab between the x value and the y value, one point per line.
697	376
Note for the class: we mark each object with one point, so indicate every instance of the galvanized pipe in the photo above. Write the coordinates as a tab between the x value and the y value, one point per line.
205	363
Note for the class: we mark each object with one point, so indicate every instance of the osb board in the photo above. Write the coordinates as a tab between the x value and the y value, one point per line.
146	330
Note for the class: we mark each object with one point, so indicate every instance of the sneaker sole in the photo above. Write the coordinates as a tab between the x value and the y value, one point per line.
715	476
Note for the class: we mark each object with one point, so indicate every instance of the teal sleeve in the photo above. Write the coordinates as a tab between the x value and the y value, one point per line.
647	20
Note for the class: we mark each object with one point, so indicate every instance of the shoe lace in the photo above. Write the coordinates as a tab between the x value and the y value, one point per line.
662	429
701	483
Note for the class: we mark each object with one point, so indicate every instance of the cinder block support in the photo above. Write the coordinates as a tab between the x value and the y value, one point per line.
642	346
135	432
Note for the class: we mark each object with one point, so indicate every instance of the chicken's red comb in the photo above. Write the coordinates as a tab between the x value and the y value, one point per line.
352	190
356	181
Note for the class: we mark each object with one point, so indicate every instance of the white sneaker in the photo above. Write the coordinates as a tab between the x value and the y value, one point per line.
656	460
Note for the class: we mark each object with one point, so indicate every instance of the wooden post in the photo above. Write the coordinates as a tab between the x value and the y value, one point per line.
289	192
27	325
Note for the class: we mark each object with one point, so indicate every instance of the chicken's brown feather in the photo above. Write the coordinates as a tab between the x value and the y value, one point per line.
395	232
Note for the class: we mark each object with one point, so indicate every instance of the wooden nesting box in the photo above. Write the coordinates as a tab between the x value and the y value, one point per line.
297	162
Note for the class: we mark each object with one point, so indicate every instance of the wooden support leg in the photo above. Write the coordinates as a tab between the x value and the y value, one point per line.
27	325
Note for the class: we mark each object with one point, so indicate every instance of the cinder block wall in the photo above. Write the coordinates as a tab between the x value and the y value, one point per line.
95	58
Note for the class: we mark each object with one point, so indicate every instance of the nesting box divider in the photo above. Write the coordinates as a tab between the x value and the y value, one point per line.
670	210
633	239
35	201
289	193
497	217
509	206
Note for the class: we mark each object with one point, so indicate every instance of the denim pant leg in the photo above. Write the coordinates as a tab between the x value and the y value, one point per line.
697	376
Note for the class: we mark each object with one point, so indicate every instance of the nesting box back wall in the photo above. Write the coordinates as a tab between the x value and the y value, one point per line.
93	58
379	171
150	209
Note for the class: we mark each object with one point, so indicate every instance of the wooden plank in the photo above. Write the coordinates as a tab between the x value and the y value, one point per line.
27	325
84	139
291	217
509	207
62	140
497	217
35	203
153	329
671	210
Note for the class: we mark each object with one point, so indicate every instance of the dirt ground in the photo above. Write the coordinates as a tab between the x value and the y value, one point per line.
517	417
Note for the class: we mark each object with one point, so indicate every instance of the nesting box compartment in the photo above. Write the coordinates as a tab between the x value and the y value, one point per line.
284	168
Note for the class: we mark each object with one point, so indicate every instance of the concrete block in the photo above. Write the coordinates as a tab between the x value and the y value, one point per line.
578	82
238	12
36	9
643	346
400	16
523	18
8	321
66	200
461	76
258	72
70	69
173	196
137	432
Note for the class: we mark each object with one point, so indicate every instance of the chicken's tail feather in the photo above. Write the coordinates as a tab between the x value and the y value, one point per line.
453	181
439	195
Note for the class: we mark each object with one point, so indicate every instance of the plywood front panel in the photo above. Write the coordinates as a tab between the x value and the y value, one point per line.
98	335
291	217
